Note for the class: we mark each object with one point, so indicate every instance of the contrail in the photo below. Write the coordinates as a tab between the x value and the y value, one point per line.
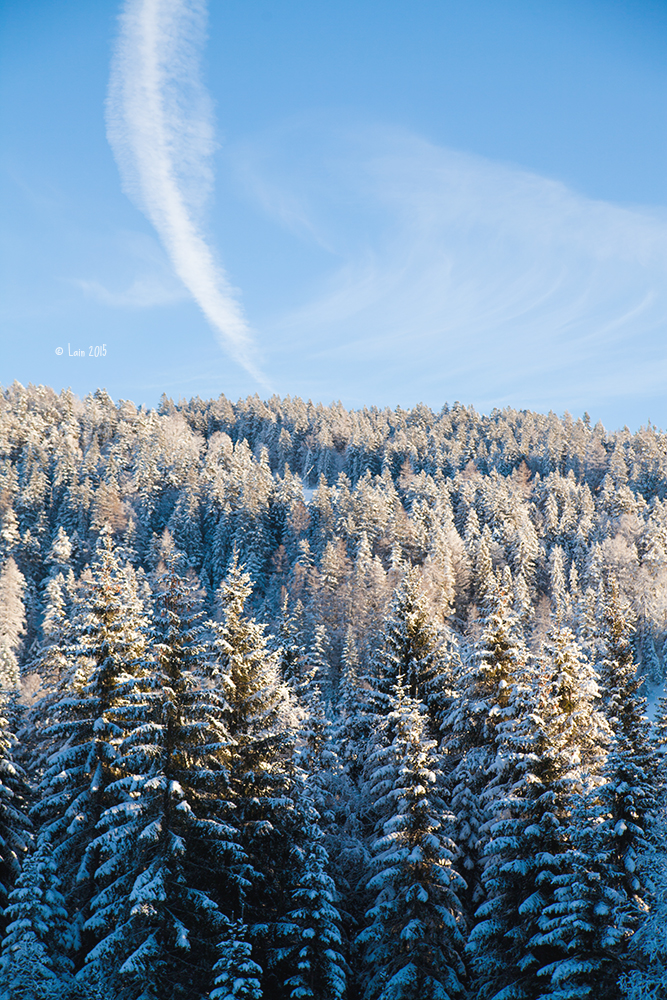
160	127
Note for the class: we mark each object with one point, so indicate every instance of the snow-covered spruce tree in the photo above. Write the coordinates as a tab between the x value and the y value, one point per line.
340	797
15	836
309	952
356	711
604	894
261	722
50	661
316	673
60	554
34	963
291	648
412	943
542	751
12	623
441	692
626	801
645	977
482	702
108	647
168	857
409	645
316	753
185	523
236	976
577	924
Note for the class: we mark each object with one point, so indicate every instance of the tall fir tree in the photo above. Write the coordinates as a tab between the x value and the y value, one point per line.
34	963
12	623
309	941
169	857
261	721
82	740
484	700
15	832
409	647
412	944
605	895
544	748
236	975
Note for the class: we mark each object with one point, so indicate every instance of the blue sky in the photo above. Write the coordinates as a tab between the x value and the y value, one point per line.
387	202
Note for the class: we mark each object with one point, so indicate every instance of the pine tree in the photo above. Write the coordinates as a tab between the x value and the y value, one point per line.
12	623
346	808
309	937
292	652
185	526
542	750
169	856
60	553
236	976
317	672
81	739
604	896
357	707
484	700
645	977
412	944
10	536
34	963
409	649
260	721
15	835
627	803
50	661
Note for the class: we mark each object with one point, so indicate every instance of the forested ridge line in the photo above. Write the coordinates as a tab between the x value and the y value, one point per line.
308	702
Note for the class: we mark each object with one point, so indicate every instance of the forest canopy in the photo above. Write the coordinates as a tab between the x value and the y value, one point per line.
308	702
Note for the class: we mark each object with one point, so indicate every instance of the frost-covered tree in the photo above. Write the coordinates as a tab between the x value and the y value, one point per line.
412	943
604	893
81	739
10	536
292	651
484	700
356	710
34	963
15	835
409	642
185	524
12	623
543	750
309	953
317	670
260	722
626	801
50	660
645	977
60	553
236	976
169	859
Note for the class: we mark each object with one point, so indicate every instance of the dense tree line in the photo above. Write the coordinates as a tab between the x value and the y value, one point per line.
302	702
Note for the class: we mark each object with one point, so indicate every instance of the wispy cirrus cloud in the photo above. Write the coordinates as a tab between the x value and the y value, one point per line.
138	277
453	276
142	293
160	126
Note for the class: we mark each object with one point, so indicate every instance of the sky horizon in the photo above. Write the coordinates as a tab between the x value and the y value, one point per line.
378	203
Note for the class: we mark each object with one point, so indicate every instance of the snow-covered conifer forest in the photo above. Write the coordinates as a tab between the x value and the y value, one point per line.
301	702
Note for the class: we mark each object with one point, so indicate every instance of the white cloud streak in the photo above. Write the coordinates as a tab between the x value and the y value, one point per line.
143	293
456	277
160	127
138	277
